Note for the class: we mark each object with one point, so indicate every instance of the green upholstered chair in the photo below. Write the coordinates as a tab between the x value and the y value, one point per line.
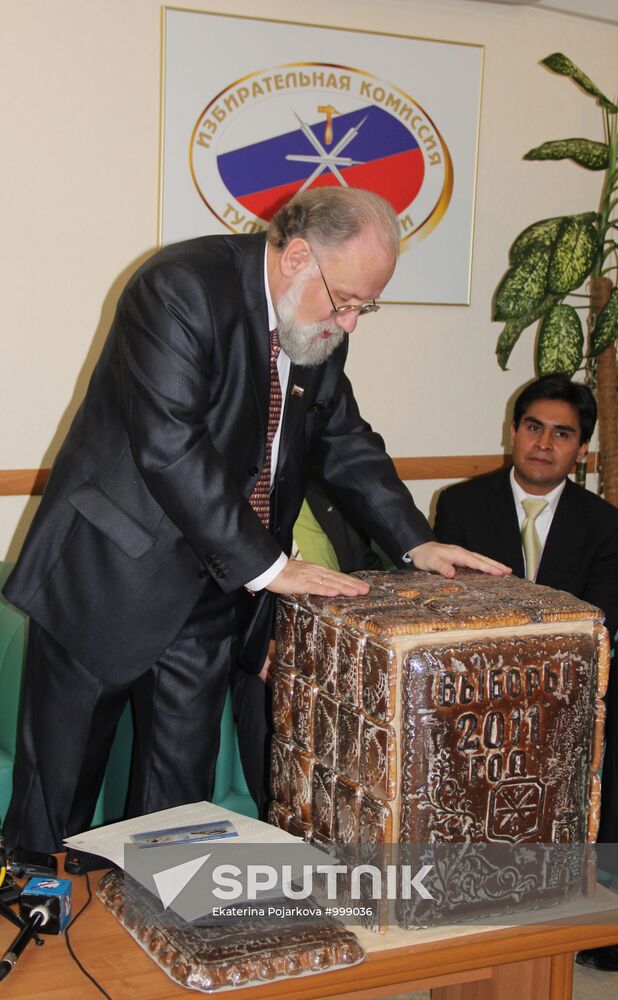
13	631
231	790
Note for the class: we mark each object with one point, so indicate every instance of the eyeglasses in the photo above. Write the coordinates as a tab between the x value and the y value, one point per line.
362	309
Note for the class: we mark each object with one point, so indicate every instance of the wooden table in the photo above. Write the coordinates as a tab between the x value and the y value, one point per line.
531	963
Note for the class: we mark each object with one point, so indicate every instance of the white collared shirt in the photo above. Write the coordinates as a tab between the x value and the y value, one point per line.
545	518
283	367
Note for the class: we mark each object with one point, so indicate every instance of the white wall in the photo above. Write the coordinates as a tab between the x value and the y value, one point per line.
78	209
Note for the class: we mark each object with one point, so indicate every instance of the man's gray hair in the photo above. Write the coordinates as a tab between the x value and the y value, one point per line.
329	216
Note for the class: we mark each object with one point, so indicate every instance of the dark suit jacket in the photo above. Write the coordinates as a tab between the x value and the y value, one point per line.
352	547
146	506
581	551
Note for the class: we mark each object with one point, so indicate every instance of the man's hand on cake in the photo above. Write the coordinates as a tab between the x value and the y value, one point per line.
300	577
441	558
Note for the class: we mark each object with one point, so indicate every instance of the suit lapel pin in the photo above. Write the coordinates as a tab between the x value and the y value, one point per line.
297	390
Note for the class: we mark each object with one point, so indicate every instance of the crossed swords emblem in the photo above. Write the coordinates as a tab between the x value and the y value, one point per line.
324	159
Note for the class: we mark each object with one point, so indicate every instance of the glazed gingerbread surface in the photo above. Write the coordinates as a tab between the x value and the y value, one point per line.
209	958
438	711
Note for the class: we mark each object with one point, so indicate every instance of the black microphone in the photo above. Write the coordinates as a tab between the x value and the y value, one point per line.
39	916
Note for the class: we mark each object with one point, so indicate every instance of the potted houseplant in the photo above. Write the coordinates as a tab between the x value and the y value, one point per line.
567	265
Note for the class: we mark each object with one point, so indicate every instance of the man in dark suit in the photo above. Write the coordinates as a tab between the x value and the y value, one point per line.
173	497
577	535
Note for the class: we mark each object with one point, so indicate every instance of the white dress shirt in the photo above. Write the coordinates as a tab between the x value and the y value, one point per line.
545	518
283	367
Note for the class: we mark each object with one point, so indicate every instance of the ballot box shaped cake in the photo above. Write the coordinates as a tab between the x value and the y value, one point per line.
444	712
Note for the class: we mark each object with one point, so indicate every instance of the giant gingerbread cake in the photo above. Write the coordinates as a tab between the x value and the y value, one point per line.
439	711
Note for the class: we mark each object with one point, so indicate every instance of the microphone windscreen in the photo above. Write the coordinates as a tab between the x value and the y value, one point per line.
53	893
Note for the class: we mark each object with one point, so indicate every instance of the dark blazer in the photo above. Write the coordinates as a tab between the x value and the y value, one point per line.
146	509
352	547
581	551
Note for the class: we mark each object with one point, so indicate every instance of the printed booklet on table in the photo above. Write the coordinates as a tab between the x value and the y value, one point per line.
197	833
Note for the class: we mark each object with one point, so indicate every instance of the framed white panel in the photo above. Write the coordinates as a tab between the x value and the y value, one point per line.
256	110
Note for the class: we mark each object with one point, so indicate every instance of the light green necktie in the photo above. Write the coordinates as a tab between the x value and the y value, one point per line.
530	536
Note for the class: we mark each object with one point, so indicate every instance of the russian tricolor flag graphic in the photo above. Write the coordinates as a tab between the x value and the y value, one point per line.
368	148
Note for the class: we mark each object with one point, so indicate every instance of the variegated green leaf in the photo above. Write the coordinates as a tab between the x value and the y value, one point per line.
606	327
559	63
543	234
572	257
589	154
539	234
561	341
523	287
507	340
510	335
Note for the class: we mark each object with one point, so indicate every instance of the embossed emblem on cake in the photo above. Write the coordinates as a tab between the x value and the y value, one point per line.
515	809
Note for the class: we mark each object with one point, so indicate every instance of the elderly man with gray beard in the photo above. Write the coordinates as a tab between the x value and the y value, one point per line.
163	535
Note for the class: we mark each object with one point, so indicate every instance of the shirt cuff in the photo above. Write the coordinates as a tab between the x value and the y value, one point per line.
262	581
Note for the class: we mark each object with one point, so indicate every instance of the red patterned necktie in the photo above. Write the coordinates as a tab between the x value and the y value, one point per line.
260	497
